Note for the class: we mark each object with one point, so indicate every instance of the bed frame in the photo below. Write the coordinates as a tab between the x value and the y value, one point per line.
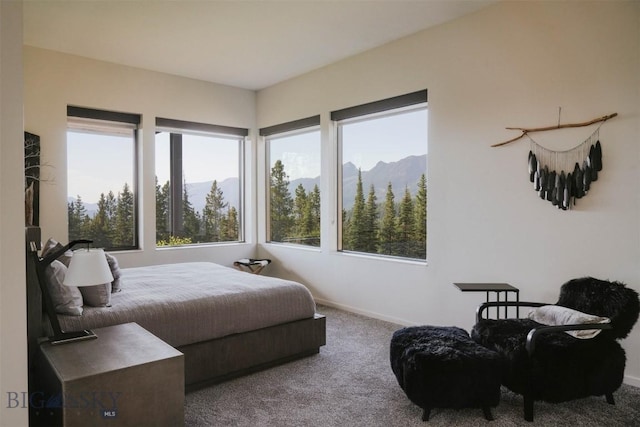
213	361
235	355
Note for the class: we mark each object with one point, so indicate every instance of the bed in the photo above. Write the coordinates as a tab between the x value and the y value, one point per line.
226	322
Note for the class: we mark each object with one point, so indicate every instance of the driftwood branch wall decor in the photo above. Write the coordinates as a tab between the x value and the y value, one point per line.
526	131
563	177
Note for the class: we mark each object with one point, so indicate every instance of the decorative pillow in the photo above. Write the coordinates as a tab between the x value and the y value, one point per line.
54	245
115	271
66	299
97	296
555	315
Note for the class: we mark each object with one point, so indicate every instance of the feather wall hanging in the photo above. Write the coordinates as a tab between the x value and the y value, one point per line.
563	177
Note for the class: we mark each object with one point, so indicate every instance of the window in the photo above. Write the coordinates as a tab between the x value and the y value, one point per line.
383	193
293	159
198	183
101	177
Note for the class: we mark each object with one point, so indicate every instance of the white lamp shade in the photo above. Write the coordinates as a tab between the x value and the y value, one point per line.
88	267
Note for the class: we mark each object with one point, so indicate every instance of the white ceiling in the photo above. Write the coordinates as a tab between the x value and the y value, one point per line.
248	44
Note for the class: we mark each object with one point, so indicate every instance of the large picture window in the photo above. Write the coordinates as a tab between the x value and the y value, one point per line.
383	191
101	177
198	183
293	158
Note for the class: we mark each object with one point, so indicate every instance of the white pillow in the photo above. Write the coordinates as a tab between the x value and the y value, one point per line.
555	315
66	299
116	285
97	296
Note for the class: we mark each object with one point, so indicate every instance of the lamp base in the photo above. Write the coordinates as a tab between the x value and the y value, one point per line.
69	337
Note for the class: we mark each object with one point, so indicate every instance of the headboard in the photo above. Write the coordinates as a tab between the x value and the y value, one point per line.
34	295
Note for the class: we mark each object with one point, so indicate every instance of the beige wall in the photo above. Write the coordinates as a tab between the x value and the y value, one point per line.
13	328
54	80
512	64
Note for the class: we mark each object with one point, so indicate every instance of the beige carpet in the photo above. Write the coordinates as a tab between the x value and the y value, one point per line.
350	383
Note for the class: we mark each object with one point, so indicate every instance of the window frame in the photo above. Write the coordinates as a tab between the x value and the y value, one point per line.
178	128
282	130
370	111
104	122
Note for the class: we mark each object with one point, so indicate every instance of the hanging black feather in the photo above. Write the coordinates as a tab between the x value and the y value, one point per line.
543	182
586	176
551	183
568	191
533	165
562	192
578	186
598	156
563	188
592	162
555	195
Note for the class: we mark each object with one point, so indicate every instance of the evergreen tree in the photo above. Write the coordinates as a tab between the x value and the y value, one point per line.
313	215
281	204
388	224
162	211
78	219
300	213
100	227
111	208
213	212
346	226
111	205
233	224
371	222
405	226
124	218
230	225
420	215
356	238
72	225
190	218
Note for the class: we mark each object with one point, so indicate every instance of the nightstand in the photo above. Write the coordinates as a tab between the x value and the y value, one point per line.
126	377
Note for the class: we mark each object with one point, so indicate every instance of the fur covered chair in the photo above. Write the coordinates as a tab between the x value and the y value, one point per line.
441	367
545	362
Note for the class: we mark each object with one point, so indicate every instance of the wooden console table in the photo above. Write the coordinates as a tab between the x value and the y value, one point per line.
492	287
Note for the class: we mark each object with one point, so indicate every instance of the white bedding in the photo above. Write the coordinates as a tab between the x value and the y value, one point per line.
194	302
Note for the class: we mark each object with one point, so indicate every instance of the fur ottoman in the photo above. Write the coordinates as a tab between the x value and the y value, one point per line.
442	367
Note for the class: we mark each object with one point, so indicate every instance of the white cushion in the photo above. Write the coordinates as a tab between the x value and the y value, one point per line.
66	299
97	296
555	315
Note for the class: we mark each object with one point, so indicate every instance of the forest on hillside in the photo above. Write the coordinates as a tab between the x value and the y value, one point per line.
387	227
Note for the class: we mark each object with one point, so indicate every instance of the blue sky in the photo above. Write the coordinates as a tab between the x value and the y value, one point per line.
389	139
99	163
95	164
201	156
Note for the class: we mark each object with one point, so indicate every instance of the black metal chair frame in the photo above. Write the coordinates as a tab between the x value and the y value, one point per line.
532	337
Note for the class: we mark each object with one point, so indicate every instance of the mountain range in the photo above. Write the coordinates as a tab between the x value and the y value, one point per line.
404	173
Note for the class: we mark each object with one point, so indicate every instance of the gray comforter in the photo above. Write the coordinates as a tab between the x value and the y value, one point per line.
198	301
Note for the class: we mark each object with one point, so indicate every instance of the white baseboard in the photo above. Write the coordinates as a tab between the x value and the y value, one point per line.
401	322
632	381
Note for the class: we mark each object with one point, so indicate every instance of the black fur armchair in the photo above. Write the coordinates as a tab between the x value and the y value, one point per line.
545	363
